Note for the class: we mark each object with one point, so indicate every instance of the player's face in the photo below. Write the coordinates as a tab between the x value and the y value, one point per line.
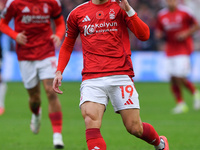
171	3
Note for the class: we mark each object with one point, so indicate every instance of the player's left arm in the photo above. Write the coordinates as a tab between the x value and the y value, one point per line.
56	14
60	30
185	34
192	22
135	24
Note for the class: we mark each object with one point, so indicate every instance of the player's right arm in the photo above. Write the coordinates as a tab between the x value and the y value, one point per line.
66	49
63	59
159	31
8	13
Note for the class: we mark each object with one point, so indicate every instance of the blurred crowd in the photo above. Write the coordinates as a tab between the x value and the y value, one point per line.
147	10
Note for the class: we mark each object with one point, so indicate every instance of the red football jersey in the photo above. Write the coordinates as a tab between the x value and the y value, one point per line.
33	17
105	38
173	23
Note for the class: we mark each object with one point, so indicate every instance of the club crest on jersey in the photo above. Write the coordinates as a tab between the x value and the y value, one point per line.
112	14
45	8
100	15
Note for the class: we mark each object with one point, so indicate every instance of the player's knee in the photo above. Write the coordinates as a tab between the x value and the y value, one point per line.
92	114
134	129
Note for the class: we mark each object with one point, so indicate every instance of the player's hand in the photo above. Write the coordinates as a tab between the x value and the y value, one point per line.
56	40
182	35
158	34
21	38
57	82
124	4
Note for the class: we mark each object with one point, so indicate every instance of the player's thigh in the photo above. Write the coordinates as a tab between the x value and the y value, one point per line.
48	88
47	84
34	93
179	66
92	113
29	73
93	102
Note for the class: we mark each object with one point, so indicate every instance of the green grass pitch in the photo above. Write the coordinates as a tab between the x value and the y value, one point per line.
156	101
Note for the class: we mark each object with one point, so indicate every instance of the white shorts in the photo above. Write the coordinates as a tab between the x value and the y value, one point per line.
119	89
179	66
34	71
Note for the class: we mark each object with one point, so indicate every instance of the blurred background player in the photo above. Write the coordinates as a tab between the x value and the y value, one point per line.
3	86
177	24
108	70
36	54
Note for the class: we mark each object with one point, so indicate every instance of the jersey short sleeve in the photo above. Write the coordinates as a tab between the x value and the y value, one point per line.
72	29
56	9
9	11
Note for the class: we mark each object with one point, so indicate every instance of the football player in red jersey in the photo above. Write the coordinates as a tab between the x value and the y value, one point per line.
177	24
3	86
108	71
36	54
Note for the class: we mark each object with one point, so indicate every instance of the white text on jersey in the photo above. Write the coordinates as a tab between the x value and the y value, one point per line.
35	19
102	27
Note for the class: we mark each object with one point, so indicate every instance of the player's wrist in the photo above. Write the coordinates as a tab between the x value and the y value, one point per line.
131	12
15	35
58	36
58	72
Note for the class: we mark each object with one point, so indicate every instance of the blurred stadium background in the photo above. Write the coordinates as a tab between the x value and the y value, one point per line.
151	82
148	57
